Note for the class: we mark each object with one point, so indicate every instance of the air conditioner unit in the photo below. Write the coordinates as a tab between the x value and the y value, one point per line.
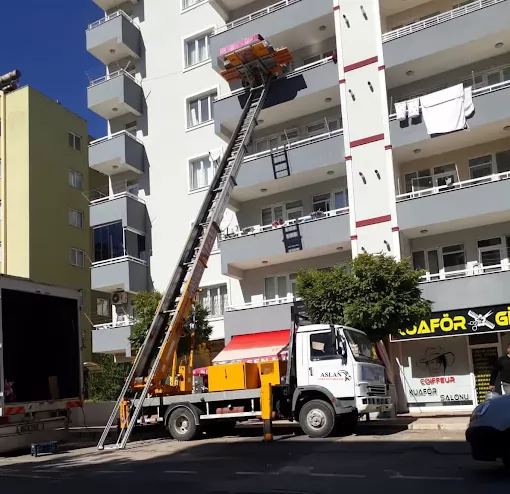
119	298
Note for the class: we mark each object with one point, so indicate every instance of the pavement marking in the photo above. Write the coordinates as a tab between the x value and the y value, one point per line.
250	473
421	477
186	472
337	475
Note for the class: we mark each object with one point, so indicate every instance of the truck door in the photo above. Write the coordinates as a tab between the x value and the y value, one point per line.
326	367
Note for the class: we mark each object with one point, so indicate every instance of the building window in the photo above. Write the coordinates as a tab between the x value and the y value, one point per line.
503	162
77	258
197	50
280	288
214	299
135	245
103	307
282	212
74	141
330	201
75	179
186	4
76	218
490	253
200	110
108	241
454	258
440	176
480	167
201	172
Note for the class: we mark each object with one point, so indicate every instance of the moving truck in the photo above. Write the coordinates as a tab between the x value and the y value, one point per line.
40	361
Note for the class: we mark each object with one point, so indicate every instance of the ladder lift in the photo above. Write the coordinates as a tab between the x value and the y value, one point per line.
255	63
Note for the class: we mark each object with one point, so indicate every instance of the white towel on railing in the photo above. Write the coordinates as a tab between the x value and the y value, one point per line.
401	110
413	107
469	106
443	111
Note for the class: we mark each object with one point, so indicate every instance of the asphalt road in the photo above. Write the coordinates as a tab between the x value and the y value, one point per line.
409	461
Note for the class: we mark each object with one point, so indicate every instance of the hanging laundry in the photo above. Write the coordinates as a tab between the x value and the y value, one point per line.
413	107
443	111
401	110
469	106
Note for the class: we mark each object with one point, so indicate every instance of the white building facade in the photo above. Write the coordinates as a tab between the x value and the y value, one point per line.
349	151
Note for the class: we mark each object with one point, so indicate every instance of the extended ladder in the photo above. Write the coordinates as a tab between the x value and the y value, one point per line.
155	356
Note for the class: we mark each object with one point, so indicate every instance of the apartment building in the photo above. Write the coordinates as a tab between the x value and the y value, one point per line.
336	156
44	216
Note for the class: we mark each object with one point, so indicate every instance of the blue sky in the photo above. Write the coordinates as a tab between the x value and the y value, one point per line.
45	39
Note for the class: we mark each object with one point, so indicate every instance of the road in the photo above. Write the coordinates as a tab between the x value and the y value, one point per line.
423	462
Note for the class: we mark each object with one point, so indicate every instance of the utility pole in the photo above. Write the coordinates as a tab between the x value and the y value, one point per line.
8	83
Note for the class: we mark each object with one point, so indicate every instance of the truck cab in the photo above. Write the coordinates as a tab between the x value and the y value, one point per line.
339	362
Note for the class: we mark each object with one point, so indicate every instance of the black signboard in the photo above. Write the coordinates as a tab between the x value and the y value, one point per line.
475	320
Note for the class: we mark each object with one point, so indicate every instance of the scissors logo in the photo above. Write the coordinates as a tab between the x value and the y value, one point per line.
480	321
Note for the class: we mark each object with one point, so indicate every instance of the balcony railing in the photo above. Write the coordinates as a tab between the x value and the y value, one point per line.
287	75
480	91
261	303
128	321
109	18
455	186
115	134
114	260
472	269
254	230
438	19
113	75
118	195
254	15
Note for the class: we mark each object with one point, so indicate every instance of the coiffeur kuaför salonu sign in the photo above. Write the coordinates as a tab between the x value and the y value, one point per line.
459	322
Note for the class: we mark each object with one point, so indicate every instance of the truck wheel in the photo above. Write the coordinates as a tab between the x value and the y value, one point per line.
317	418
182	425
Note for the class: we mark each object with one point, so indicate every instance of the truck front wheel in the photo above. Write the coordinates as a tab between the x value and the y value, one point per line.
317	419
182	425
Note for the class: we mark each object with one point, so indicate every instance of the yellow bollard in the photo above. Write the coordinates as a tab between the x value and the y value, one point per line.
266	407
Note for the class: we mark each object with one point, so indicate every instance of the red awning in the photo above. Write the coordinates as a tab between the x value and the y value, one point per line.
257	347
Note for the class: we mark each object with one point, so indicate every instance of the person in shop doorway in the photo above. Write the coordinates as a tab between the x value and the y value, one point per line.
502	367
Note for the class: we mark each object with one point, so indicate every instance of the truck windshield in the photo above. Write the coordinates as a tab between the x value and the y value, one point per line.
362	348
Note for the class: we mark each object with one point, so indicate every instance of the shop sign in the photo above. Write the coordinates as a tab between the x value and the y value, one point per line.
459	322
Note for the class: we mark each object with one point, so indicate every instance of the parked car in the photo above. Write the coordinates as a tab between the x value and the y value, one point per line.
489	431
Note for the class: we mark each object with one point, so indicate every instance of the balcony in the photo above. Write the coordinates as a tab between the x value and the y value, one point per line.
447	41
492	115
310	236
290	23
113	338
118	153
467	204
258	317
111	4
123	206
113	38
114	95
308	89
472	287
124	273
310	160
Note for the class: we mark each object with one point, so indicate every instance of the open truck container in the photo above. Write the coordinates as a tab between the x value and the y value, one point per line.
40	361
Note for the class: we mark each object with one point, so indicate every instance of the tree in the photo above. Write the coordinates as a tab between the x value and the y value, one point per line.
106	383
146	304
379	295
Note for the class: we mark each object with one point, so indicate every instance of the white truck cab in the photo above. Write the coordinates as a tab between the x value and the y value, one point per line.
339	361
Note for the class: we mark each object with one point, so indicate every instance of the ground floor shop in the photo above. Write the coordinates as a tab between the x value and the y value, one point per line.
445	362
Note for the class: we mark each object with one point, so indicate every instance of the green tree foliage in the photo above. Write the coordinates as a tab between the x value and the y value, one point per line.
378	295
106	383
146	304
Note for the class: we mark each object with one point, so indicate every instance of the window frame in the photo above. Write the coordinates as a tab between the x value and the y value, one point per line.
197	3
77	141
74	251
195	38
201	158
211	94
76	213
289	282
72	176
105	303
215	286
442	273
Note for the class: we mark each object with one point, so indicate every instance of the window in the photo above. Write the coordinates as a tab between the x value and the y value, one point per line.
503	162
445	175
214	299
134	245
74	141
75	179
201	172
330	201
271	214
429	16
419	180
462	4
277	140
284	212
197	50
77	258
490	253
320	56
103	307
322	345
294	210
200	110
186	4
480	167
280	287
108	241
454	258
76	218
488	78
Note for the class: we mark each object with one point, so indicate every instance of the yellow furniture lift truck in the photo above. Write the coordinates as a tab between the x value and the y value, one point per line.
314	394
